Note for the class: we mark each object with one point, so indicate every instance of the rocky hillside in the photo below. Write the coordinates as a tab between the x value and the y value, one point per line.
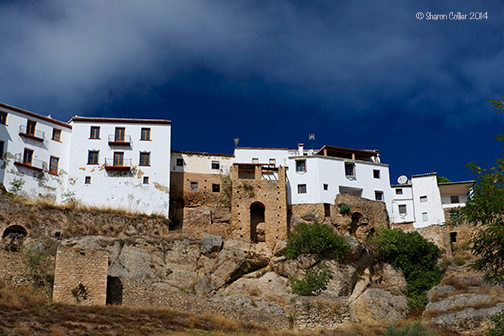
150	266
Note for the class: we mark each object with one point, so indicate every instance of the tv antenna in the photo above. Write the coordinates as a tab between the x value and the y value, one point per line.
236	141
311	137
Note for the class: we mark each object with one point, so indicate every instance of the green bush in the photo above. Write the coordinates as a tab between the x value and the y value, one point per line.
498	327
315	281
344	208
416	330
318	239
414	255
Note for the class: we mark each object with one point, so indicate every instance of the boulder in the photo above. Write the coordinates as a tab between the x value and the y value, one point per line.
360	287
267	285
379	305
344	278
211	243
393	276
308	216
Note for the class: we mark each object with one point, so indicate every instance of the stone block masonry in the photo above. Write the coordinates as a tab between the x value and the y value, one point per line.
258	205
80	276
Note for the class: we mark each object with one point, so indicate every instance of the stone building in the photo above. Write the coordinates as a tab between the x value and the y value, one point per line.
259	203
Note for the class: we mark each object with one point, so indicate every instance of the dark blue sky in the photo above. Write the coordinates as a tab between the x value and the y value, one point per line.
359	75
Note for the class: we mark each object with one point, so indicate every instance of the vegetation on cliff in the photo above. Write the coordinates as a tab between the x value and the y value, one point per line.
414	255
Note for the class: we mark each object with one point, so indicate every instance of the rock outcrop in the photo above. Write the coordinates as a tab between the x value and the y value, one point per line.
463	305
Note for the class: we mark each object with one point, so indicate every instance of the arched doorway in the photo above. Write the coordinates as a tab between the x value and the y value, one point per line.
257	225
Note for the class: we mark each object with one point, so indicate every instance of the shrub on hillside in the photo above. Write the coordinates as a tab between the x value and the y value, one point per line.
414	255
416	330
317	239
315	281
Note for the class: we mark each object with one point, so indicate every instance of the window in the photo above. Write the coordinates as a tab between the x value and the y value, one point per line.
301	188
423	199
454	199
349	169
145	134
30	127
3	118
56	134
398	191
87	180
326	186
453	237
146	180
1	149
300	165
215	165
327	210
215	187
118	159
92	157
53	165
425	217
402	209
95	132
193	186
180	162
119	134
378	195
255	160
144	159
28	156
376	173
272	162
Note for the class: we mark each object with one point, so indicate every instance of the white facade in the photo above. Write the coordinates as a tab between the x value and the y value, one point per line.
34	149
318	176
422	201
201	163
121	163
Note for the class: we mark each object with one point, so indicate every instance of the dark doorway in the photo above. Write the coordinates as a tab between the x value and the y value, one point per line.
355	223
13	237
114	290
257	225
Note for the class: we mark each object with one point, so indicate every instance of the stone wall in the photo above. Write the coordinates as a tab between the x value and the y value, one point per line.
11	263
181	193
80	276
252	193
364	215
42	220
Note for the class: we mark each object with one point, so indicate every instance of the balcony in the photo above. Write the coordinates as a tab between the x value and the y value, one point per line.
124	140
118	165
35	135
34	164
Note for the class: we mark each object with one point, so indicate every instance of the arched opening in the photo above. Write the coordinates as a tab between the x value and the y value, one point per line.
13	236
355	223
257	225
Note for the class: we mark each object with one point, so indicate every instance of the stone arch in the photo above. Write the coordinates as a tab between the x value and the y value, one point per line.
257	222
19	229
356	217
13	236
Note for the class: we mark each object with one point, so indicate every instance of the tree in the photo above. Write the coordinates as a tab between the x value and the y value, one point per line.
486	208
442	179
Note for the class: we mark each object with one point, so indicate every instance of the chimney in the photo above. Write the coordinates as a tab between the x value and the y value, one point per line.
301	149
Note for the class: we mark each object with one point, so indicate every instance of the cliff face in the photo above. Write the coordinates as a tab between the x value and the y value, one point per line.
150	266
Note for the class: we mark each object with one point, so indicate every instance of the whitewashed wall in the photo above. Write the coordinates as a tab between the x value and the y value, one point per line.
201	163
245	155
322	170
406	198
125	190
36	183
426	185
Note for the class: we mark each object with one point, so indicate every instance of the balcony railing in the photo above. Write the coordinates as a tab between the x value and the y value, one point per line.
36	135
117	165
119	141
35	164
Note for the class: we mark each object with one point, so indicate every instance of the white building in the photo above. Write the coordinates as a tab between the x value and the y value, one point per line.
121	163
34	149
423	201
318	176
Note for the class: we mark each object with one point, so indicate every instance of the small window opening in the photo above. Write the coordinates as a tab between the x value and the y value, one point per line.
193	186
215	187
